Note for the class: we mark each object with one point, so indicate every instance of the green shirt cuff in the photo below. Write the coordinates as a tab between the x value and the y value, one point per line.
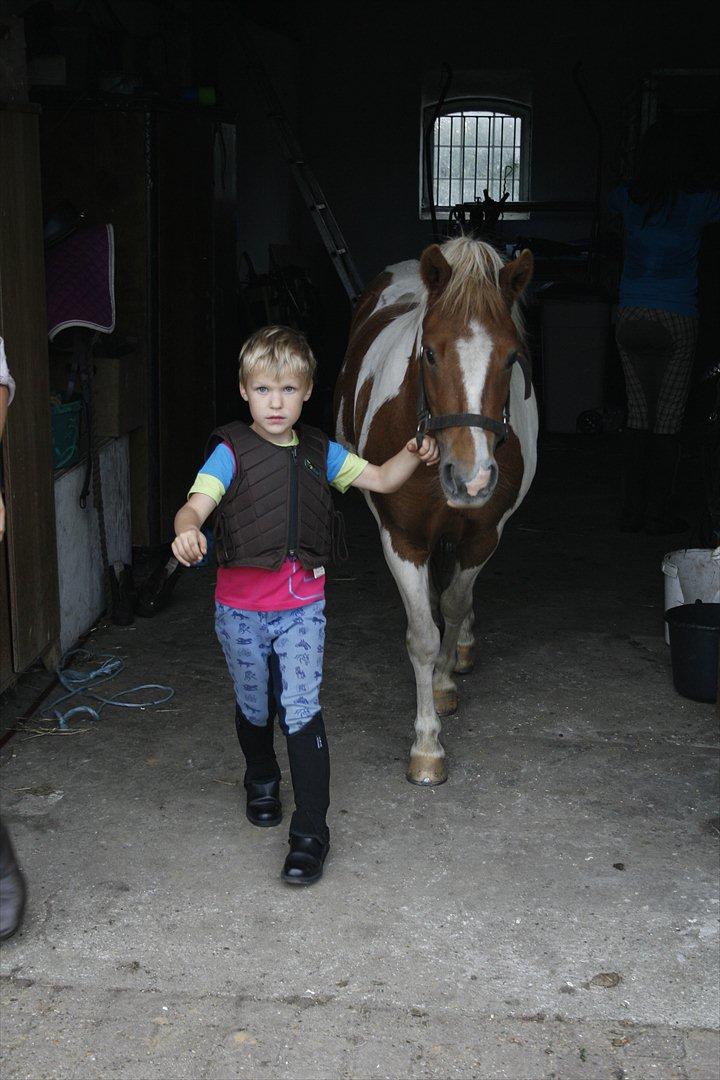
349	472
208	485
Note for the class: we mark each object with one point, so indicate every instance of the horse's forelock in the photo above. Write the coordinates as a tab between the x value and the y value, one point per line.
473	290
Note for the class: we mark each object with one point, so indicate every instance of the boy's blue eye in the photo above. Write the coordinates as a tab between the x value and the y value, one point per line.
290	389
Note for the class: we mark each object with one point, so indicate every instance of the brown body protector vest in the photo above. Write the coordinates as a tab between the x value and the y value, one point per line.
279	503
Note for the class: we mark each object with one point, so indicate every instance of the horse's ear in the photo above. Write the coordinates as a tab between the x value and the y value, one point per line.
515	276
435	270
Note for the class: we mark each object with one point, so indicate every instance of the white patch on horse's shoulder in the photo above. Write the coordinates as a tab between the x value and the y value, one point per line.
386	359
408	269
524	422
404	287
339	430
386	362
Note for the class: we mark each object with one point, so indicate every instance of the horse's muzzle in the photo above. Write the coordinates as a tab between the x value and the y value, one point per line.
467	492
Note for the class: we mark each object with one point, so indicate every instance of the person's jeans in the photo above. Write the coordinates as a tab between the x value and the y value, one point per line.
296	637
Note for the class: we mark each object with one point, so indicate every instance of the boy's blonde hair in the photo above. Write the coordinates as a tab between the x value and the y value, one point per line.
278	350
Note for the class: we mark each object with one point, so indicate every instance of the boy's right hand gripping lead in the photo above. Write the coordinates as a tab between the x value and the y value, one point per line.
189	546
427	452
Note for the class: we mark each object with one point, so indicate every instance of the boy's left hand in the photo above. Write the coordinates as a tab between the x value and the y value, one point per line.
428	452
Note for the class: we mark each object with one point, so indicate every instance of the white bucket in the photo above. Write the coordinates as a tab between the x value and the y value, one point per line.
690	575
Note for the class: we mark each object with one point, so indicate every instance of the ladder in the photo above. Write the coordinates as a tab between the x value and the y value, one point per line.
307	183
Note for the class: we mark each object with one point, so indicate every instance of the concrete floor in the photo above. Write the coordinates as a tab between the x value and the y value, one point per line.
458	931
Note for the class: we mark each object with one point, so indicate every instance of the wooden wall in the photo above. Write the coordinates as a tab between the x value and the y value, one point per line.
28	560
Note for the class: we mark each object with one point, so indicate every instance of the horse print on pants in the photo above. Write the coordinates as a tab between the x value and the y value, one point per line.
296	637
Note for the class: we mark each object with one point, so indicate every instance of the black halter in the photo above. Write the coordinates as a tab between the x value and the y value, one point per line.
428	422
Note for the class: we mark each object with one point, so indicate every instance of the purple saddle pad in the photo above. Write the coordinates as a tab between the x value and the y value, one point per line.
80	281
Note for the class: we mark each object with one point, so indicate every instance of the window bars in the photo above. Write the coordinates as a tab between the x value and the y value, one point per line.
473	150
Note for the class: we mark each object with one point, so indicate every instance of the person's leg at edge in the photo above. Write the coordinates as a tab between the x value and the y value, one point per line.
12	888
635	446
246	643
633	333
661	517
299	645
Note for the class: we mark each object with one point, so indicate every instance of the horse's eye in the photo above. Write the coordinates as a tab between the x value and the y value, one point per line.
430	356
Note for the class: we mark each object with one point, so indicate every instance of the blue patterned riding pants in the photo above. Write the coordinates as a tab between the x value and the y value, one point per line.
282	650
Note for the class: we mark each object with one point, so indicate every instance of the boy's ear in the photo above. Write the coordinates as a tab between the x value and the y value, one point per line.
309	391
243	392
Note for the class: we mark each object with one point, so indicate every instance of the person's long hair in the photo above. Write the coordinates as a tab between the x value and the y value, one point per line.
669	162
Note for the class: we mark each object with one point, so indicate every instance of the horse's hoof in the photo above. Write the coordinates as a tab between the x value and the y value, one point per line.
464	659
446	702
427	770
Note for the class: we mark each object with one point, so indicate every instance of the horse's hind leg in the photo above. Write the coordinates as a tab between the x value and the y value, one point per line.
427	757
465	652
456	607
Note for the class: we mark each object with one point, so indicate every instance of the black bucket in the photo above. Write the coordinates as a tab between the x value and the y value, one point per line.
694	646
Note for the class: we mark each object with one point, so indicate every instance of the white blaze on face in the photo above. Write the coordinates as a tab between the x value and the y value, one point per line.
474	356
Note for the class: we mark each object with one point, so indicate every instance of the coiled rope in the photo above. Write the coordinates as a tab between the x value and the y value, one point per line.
78	681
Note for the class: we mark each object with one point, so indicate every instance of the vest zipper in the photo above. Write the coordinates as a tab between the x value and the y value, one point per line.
293	526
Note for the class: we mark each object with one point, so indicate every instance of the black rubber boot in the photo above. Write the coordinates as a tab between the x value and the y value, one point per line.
634	479
662	470
309	834
262	772
12	888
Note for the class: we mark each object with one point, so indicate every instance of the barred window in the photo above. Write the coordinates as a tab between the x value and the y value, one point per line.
478	144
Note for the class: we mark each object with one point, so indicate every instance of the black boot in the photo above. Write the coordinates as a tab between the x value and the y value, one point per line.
662	470
634	479
262	773
309	835
12	888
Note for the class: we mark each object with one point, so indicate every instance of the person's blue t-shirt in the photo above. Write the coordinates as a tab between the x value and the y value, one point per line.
660	267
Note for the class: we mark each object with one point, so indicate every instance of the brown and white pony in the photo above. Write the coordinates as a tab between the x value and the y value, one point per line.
441	340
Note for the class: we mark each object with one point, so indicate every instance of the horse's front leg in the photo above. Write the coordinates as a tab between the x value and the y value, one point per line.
427	757
456	607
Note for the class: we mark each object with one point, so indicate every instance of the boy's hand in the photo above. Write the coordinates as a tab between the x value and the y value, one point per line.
428	452
189	546
392	474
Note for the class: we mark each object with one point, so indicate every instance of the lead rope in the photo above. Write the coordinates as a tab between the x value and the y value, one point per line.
338	542
77	681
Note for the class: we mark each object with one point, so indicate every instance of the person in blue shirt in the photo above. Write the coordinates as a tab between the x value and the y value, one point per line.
664	209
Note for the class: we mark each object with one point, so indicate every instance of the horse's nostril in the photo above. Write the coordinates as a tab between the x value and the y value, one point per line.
449	477
452	481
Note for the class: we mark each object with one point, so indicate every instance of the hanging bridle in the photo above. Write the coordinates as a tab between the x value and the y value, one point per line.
428	422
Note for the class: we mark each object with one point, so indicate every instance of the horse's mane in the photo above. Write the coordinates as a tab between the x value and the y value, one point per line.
473	290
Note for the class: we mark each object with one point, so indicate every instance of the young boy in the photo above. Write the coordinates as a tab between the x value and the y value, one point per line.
270	485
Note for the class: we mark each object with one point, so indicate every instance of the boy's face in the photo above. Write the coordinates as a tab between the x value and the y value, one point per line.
275	404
